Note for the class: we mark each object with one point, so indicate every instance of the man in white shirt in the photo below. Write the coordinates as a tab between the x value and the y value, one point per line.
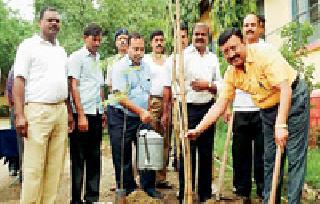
86	82
40	95
160	98
247	130
203	80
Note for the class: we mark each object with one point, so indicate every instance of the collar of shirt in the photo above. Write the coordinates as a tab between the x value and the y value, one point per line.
41	40
132	66
192	49
87	53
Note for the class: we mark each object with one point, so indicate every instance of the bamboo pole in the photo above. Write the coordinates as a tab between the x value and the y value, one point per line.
275	176
224	159
185	141
176	106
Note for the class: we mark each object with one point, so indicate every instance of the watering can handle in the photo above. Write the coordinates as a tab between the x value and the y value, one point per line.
147	162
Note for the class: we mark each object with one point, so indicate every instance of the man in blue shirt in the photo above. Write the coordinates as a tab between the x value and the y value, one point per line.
131	85
87	83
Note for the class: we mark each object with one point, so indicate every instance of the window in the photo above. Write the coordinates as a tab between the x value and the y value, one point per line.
308	10
314	6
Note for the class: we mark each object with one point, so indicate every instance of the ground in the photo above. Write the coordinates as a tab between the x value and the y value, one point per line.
10	189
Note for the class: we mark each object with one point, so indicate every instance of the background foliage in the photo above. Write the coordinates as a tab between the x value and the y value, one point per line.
226	14
295	36
12	31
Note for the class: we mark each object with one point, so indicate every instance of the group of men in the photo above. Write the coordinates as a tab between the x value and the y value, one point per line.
140	97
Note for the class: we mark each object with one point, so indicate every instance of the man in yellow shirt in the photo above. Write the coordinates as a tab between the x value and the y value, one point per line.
283	98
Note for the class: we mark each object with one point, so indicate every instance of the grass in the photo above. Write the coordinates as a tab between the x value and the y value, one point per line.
312	177
313	172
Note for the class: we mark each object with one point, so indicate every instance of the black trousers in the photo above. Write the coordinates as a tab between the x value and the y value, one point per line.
247	129
85	152
116	127
204	145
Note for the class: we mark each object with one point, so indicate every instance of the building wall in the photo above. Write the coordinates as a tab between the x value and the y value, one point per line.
279	13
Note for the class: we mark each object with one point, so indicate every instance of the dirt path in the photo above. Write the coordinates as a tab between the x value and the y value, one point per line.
10	190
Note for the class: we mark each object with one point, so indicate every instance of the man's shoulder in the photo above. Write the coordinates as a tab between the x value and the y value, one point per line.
120	65
76	54
29	42
261	47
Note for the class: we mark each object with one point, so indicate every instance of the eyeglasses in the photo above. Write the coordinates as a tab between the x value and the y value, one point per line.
51	20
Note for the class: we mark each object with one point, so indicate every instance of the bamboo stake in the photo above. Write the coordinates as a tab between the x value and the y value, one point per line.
176	107
275	176
225	158
185	141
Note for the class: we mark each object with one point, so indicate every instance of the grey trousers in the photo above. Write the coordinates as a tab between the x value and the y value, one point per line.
296	147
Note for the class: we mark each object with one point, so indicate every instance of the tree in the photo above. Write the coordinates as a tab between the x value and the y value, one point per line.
295	36
142	16
226	14
12	31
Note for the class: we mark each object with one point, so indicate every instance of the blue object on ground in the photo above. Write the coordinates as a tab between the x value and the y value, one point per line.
8	143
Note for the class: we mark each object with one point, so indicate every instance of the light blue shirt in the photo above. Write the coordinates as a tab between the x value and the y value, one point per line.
132	81
84	67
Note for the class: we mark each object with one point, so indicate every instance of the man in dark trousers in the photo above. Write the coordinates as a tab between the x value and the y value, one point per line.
86	80
131	86
203	80
247	140
283	99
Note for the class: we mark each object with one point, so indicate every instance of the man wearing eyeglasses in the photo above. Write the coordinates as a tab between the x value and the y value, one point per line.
40	96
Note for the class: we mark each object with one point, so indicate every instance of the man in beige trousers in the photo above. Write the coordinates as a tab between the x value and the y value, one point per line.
40	95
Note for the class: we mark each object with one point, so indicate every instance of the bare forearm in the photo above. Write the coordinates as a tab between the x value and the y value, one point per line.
76	97
285	103
18	95
213	114
126	103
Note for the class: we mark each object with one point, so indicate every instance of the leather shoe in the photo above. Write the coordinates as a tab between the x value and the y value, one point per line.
163	185
155	194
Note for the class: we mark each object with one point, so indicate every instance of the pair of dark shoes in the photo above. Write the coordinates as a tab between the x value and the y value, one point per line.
13	172
81	202
163	185
155	194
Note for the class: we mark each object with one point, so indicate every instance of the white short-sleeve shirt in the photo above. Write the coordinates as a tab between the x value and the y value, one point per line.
160	76
199	67
43	66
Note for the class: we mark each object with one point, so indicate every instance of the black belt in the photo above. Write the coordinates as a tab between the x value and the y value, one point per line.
295	83
156	96
202	104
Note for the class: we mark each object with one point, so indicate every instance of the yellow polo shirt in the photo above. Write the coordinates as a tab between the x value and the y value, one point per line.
265	68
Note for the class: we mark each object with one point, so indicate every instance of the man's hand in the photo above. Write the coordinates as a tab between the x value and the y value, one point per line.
71	124
165	121
281	137
192	134
227	115
145	117
200	85
22	126
104	120
83	125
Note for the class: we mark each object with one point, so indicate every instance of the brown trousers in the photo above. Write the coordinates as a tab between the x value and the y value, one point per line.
156	108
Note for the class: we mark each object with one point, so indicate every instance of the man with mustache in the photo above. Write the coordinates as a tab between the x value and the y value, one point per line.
86	80
160	99
131	85
283	99
203	80
247	129
42	112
